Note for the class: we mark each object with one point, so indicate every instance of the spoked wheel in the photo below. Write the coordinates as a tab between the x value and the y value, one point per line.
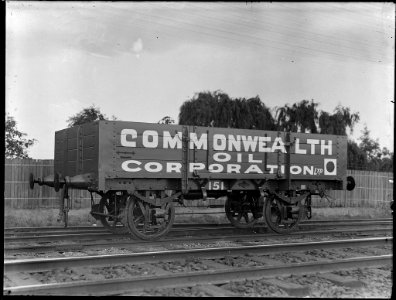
149	222
282	218
243	210
112	210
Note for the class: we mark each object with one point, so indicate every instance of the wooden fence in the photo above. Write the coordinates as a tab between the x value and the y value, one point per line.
17	193
373	189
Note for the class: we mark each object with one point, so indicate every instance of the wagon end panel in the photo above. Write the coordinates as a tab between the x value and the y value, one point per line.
76	151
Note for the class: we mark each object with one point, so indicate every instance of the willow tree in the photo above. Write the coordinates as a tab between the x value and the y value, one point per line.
200	110
300	117
86	115
338	122
305	117
219	110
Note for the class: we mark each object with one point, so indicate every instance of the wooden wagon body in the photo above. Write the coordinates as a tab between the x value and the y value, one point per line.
141	169
116	155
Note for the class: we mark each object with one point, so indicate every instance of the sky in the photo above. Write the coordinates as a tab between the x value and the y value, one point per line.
139	61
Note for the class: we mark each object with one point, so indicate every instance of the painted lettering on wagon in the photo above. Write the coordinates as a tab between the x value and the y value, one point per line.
222	142
229	142
175	167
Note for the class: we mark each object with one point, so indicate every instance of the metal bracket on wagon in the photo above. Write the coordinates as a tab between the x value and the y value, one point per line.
50	180
290	200
57	181
317	188
350	183
163	201
263	188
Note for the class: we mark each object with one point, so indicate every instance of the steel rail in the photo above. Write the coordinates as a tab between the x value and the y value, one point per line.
52	237
49	263
9	230
176	233
36	236
105	233
110	235
103	230
232	238
119	286
344	223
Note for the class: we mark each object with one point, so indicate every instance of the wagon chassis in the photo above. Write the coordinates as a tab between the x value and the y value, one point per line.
136	211
277	201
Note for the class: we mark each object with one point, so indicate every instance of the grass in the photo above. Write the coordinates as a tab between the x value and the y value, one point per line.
336	213
81	217
45	217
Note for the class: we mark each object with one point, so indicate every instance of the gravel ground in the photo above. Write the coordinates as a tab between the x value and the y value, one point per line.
255	288
377	284
189	265
175	292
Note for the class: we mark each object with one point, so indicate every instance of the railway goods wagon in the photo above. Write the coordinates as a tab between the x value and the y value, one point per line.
140	170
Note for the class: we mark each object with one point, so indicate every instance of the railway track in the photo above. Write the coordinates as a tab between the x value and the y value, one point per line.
42	233
210	267
126	243
40	241
78	238
13	231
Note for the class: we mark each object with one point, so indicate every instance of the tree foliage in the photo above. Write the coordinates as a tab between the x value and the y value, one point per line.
338	122
201	110
87	115
16	145
355	156
305	117
166	120
300	117
376	159
219	110
368	145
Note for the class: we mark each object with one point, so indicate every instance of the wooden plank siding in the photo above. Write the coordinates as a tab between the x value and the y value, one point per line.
372	190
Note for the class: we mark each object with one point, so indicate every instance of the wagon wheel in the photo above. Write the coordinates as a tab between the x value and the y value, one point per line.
149	222
242	212
113	206
273	215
